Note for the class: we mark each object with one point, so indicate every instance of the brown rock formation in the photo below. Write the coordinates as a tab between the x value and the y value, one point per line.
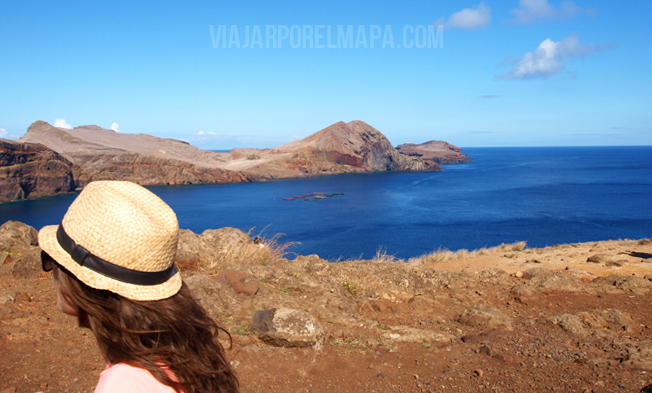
107	155
30	170
349	147
94	153
436	151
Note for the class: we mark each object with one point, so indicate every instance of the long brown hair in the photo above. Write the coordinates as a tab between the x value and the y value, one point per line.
172	334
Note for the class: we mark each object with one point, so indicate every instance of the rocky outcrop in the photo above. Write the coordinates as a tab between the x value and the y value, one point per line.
349	147
20	255
485	316
376	319
286	327
29	170
101	154
89	153
436	151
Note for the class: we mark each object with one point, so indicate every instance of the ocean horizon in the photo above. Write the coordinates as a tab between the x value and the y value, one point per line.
541	195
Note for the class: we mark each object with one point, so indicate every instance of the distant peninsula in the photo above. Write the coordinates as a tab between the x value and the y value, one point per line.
50	160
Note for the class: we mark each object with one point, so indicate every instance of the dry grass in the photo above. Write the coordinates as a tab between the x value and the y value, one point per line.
266	251
383	257
442	254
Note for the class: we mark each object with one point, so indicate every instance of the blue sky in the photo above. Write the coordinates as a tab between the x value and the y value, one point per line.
508	73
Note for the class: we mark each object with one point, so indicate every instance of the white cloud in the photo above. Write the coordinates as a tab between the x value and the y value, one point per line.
529	11
549	58
201	133
115	126
469	18
61	123
211	133
3	133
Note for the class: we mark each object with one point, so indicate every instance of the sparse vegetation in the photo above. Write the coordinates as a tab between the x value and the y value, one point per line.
382	256
242	330
229	320
352	287
442	254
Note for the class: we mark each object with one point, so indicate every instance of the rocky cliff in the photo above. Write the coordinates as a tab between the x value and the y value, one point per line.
435	151
102	154
93	153
350	147
30	170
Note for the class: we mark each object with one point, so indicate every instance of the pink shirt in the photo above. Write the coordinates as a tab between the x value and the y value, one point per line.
123	378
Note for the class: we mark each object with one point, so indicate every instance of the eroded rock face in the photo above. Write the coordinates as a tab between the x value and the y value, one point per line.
436	151
29	170
286	327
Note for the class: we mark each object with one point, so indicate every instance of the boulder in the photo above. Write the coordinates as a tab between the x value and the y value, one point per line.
15	234
599	258
286	327
571	324
21	256
599	321
548	281
633	284
214	247
239	281
485	316
494	276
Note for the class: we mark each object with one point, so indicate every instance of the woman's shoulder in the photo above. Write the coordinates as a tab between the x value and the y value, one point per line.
123	378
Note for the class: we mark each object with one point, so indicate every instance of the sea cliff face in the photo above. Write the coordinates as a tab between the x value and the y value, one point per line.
77	156
32	170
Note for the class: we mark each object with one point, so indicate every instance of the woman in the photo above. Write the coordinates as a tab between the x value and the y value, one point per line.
113	263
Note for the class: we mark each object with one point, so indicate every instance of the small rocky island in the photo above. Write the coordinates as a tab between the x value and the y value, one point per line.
49	160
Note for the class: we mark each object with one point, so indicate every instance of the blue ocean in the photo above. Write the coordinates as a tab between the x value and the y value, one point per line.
543	195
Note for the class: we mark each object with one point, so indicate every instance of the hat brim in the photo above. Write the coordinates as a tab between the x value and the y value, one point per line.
47	238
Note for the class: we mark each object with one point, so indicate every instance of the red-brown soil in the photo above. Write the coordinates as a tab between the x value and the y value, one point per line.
585	336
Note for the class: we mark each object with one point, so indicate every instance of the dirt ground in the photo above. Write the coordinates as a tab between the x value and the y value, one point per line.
43	350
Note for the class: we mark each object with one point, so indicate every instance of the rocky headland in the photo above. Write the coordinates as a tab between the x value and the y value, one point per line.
505	319
437	151
49	160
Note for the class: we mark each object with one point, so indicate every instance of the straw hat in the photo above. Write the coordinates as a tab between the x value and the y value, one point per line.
120	237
